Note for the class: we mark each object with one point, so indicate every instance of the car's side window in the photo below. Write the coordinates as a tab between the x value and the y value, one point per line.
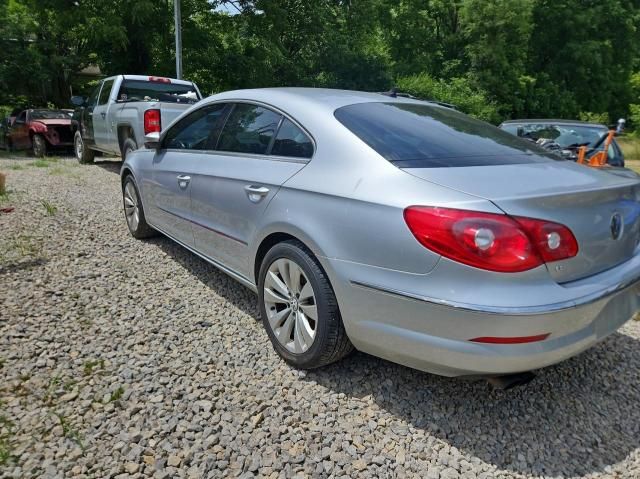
292	141
249	129
104	93
22	117
93	98
198	130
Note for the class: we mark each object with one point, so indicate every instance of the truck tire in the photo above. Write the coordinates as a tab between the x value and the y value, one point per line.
84	155
128	146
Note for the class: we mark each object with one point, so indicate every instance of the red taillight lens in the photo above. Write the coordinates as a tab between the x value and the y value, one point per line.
159	80
152	121
489	241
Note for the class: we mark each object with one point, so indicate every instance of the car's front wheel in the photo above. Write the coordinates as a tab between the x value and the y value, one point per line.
133	211
39	145
83	154
299	308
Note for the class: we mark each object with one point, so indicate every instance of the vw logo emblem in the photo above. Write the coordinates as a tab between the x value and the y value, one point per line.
617	226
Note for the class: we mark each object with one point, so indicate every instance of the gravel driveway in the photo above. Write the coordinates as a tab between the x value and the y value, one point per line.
122	358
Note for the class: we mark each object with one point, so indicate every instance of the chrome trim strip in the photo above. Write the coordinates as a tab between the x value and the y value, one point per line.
507	310
250	156
237	276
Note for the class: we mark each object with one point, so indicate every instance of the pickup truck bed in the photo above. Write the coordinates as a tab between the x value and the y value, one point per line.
122	109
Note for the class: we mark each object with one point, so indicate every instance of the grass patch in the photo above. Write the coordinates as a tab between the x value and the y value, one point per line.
20	247
16	166
69	431
49	208
6	432
40	163
117	394
89	366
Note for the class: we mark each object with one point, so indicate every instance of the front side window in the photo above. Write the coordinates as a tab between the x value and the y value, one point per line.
198	130
422	135
249	129
105	92
292	141
22	117
93	98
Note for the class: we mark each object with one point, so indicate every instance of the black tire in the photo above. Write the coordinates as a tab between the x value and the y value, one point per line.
141	229
128	146
38	146
83	154
330	343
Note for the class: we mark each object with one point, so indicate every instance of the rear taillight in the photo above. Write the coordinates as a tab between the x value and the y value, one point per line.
152	121
489	241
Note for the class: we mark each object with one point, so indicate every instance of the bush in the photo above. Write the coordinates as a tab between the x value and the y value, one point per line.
457	91
594	117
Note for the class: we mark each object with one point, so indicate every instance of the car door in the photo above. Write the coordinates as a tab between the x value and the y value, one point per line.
19	133
102	129
232	186
86	116
172	172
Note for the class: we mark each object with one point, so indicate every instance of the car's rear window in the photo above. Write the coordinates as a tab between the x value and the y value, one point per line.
421	135
139	90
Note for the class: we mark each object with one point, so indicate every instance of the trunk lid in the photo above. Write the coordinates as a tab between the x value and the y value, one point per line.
601	207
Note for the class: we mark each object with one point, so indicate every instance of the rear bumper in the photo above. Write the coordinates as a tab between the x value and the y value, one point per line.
423	333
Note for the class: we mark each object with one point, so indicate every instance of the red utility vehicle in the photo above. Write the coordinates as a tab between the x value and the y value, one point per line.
40	130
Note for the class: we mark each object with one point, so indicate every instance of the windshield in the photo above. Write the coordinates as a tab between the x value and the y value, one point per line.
139	90
424	135
49	115
563	135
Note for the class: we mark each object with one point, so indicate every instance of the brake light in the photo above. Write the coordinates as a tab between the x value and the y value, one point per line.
160	79
152	121
490	241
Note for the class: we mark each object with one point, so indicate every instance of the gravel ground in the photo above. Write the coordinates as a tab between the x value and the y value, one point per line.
125	358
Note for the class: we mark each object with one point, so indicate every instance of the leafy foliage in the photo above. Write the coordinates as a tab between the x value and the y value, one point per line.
457	91
498	59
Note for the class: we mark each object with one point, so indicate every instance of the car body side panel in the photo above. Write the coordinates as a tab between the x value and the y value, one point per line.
224	217
169	196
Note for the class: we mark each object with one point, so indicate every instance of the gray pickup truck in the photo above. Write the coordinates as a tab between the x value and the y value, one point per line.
122	109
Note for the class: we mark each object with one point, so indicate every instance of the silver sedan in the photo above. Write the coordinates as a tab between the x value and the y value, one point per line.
399	227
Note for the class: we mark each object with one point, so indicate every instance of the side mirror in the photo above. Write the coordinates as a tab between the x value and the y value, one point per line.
78	100
152	140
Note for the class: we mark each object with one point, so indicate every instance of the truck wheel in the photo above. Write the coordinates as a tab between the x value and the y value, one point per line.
39	145
128	146
83	154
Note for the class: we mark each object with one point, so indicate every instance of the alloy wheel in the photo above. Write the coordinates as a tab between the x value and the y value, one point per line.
131	208
291	305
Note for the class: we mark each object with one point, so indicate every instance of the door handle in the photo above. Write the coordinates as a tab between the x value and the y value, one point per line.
256	193
183	181
103	115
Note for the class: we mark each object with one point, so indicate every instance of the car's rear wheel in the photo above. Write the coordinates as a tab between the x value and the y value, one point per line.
84	155
133	211
39	146
128	146
299	308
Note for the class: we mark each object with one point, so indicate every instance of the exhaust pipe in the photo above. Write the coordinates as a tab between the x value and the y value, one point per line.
510	381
